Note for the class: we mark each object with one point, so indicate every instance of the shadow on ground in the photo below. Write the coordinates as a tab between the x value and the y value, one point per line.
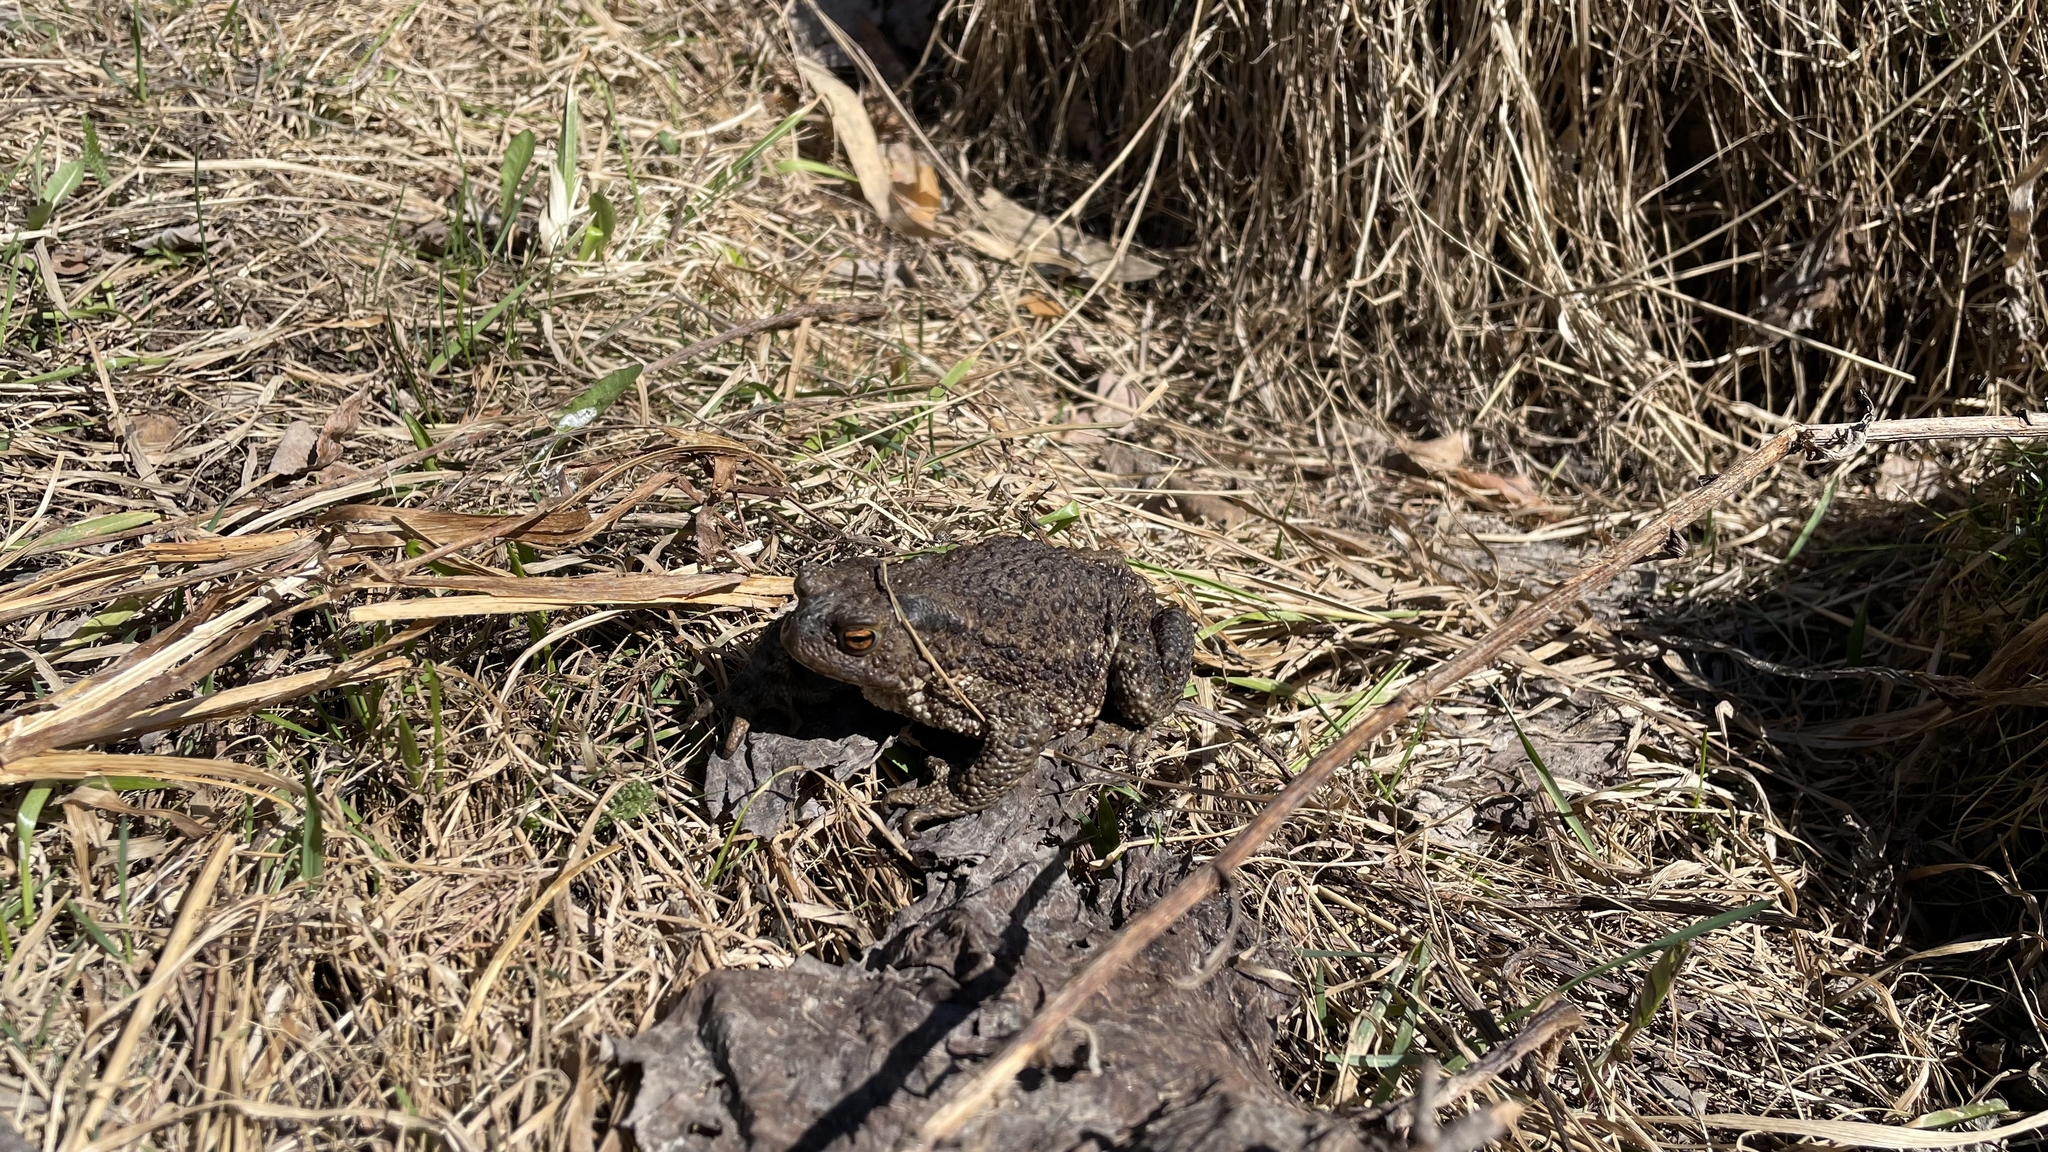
1889	690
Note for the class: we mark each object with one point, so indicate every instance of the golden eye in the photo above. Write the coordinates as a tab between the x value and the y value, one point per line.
857	640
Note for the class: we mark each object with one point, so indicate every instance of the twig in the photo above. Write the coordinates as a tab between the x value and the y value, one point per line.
1819	441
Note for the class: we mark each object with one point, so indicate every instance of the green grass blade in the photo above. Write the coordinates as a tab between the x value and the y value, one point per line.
461	340
799	164
96	160
1827	497
512	173
25	818
87	529
742	164
1564	806
604	220
1692	932
92	929
592	401
312	836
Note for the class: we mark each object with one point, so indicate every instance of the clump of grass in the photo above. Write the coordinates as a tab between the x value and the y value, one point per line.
1560	227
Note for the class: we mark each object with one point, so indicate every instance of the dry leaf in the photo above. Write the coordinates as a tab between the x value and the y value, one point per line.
1013	231
1438	457
71	260
1814	282
1515	495
340	424
155	432
1908	476
294	450
105	801
856	134
183	238
2019	246
914	187
1040	306
1121	399
1197	507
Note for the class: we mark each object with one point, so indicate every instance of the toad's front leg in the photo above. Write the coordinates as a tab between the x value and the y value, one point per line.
1008	751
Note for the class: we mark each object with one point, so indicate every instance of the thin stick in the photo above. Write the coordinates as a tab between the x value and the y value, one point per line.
1826	440
143	1014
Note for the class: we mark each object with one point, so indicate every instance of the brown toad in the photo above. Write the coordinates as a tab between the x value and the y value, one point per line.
1029	641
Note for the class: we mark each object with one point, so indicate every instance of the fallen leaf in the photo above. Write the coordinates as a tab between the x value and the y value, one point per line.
155	432
856	134
1198	507
340	425
294	449
1121	398
182	238
1438	457
1907	476
2019	245
1040	306
71	260
1515	495
1814	282
914	187
1014	233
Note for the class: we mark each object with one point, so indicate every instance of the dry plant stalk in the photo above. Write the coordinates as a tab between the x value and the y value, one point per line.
1825	441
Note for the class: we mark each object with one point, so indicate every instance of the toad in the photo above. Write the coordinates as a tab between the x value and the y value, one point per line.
1010	640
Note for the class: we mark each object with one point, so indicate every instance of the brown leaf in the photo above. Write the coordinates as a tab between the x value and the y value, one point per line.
1814	282
294	449
710	536
722	471
1203	506
1015	233
71	260
341	424
1040	306
1121	398
914	188
1438	457
155	432
1516	495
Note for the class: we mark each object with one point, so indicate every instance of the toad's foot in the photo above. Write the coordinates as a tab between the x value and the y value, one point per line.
929	804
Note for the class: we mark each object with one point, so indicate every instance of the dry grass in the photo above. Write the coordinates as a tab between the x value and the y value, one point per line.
476	850
1545	222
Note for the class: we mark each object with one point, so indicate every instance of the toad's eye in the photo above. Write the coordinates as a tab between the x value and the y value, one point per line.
856	640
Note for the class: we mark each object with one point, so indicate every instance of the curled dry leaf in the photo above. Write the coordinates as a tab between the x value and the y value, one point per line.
294	450
1039	306
914	189
2019	246
340	425
182	238
1515	495
1438	457
856	134
1814	282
